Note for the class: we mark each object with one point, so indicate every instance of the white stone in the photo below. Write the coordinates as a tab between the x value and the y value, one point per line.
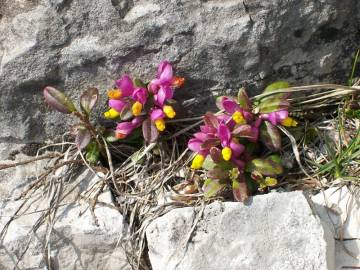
76	241
277	231
339	208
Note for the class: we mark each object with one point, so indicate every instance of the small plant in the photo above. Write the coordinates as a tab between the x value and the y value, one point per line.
135	103
227	146
86	135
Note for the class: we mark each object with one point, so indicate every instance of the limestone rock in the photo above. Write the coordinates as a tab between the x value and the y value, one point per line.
273	232
76	242
339	209
215	44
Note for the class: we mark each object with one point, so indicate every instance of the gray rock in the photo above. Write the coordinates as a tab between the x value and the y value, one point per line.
339	209
273	232
76	241
216	45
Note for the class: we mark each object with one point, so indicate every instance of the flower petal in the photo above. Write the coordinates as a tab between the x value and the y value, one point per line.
237	148
125	128
281	115
157	114
140	94
166	73
117	104
224	134
230	106
126	86
195	145
164	93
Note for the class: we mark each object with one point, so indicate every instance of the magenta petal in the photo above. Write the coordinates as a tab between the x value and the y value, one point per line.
126	86
125	128
224	135
140	94
137	121
207	129
166	74
258	122
157	114
154	86
164	93
117	104
230	106
195	145
272	118
161	67
224	118
281	115
237	149
201	136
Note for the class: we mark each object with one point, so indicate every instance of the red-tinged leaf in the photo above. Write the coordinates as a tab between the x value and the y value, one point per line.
88	99
243	100
270	136
150	131
256	176
58	101
215	154
212	142
126	113
240	189
218	173
266	167
83	138
243	131
273	104
211	120
211	187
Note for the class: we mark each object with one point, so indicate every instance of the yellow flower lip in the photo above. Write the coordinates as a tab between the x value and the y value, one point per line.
111	114
197	162
160	124
169	111
238	118
114	93
136	108
289	122
226	153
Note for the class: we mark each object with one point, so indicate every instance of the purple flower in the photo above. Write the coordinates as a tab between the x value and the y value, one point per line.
275	117
125	86
123	129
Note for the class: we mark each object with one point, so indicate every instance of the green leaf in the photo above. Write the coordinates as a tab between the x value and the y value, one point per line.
139	83
273	104
92	153
211	187
240	189
208	164
88	99
264	166
270	136
218	173
276	86
270	181
58	101
150	131
243	99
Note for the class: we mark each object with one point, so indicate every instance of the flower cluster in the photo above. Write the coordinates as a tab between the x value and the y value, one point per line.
134	103
226	143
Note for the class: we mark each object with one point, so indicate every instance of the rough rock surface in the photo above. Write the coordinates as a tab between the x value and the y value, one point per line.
277	231
339	208
76	241
216	44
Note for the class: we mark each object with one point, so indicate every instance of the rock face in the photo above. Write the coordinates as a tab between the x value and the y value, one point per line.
76	241
273	232
339	209
215	44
